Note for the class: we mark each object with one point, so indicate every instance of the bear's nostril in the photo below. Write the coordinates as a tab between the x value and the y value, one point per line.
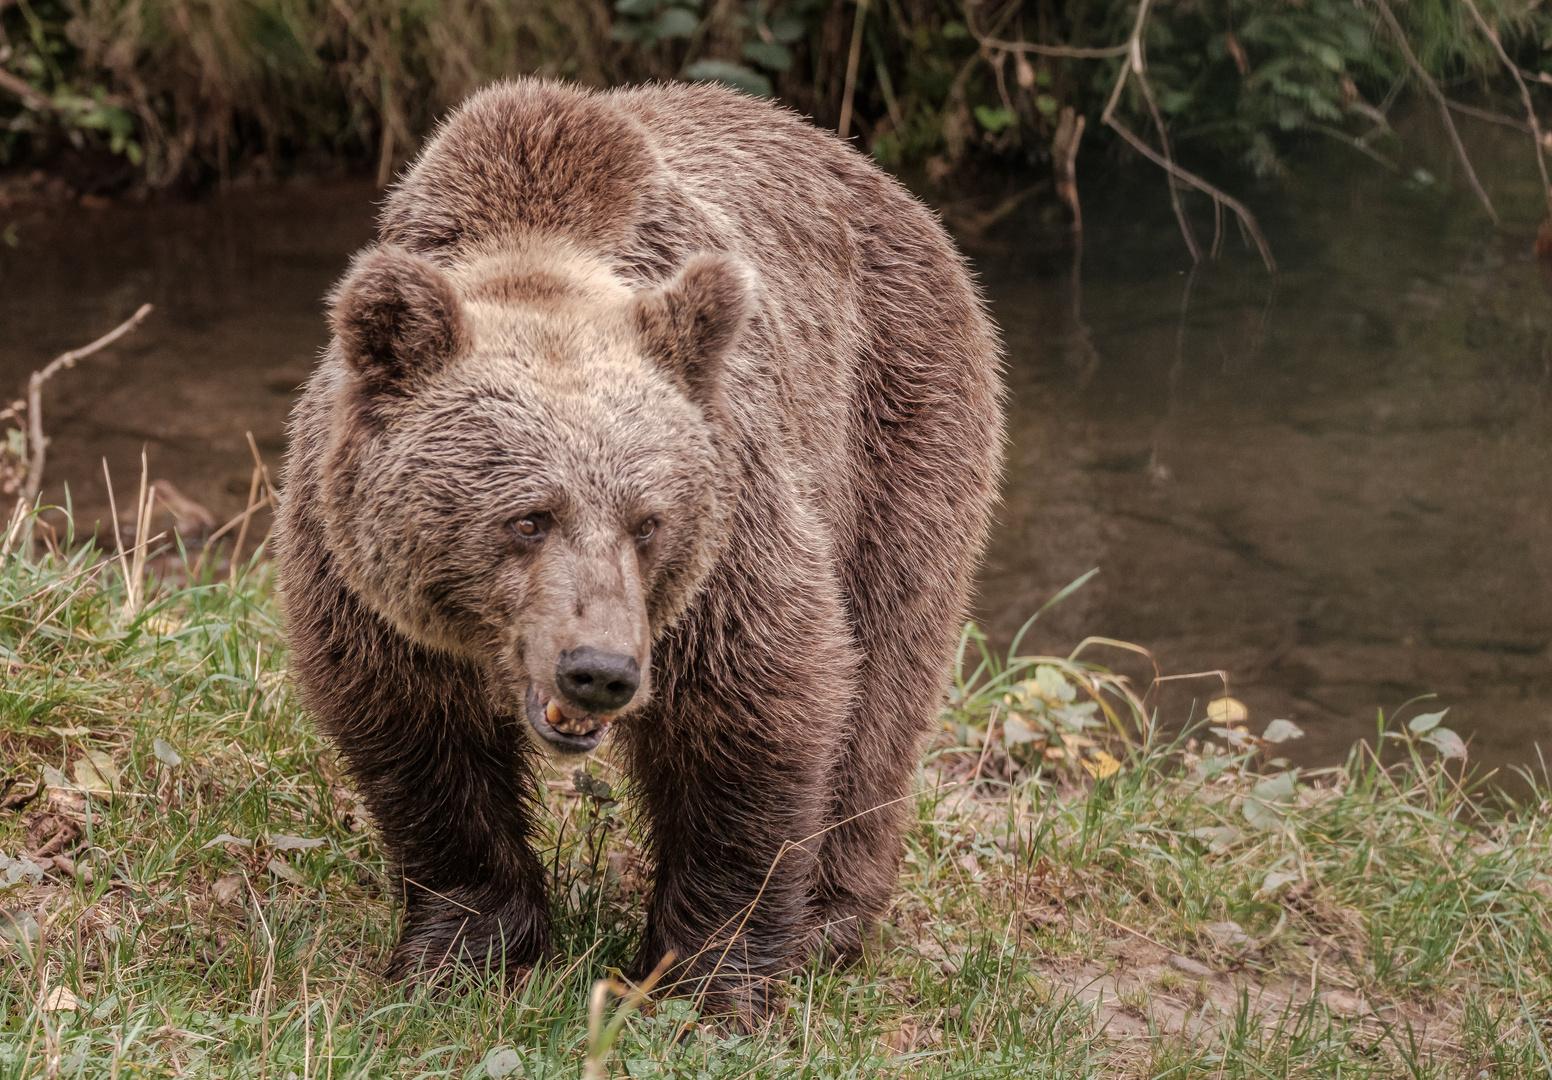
595	680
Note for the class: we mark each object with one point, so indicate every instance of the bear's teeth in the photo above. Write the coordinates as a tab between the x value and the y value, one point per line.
553	714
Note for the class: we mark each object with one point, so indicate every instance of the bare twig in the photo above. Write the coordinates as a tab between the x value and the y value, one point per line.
1443	103
853	58
37	444
1064	153
1169	155
1073	52
1135	65
1530	110
29	95
1488	115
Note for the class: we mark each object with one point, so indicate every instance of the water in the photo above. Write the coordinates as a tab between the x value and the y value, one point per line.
1334	486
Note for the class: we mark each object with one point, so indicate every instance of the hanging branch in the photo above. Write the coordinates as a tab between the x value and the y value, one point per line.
1069	51
1443	103
1135	65
994	51
36	443
1530	111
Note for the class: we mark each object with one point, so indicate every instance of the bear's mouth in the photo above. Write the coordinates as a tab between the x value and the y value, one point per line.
565	727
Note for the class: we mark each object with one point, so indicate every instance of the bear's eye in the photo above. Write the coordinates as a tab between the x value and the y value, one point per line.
645	530
531	528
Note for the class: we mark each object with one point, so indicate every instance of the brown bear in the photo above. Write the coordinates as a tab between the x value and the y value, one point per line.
657	412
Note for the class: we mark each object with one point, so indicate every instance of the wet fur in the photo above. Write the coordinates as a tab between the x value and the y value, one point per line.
804	358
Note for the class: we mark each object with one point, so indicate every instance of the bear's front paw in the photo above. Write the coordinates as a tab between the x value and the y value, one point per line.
840	938
440	941
721	992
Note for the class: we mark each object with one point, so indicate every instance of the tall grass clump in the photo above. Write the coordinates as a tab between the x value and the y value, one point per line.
199	89
190	887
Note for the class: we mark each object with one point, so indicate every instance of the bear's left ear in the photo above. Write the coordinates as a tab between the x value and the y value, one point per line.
397	318
689	324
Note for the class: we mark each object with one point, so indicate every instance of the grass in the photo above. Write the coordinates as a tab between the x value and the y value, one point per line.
222	907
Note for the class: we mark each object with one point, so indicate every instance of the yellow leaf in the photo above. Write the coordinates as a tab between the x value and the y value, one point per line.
1101	766
1227	710
95	772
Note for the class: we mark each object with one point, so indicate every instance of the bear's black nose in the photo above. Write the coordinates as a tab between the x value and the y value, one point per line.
597	681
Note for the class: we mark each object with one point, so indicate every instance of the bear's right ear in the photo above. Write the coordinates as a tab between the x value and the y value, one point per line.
397	318
689	323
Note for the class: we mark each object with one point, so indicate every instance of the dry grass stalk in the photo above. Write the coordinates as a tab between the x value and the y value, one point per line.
600	1038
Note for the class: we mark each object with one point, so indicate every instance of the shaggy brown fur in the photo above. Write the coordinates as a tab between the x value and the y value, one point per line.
669	377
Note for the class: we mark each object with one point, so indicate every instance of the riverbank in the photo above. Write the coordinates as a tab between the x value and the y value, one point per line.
195	890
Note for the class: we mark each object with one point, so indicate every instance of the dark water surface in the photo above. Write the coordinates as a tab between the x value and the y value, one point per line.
1336	486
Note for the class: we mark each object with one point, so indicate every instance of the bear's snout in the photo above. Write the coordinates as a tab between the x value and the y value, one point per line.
597	681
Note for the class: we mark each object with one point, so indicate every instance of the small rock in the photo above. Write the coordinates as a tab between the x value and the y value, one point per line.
1190	967
1344	1003
1228	935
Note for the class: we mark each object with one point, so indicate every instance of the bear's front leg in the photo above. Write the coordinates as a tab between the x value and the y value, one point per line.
448	781
456	818
730	766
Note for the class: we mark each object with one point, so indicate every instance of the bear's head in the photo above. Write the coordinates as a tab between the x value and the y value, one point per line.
526	467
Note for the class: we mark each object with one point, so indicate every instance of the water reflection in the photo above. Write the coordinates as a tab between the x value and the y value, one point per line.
1334	485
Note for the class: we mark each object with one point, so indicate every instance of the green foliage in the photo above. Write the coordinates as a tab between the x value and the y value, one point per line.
200	88
195	87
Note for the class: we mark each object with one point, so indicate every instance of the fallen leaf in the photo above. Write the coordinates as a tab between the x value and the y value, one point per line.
20	927
1274	885
70	732
283	872
95	773
165	753
228	888
503	1062
1227	710
13	870
1280	731
1219	838
1101	766
293	843
227	838
60	999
